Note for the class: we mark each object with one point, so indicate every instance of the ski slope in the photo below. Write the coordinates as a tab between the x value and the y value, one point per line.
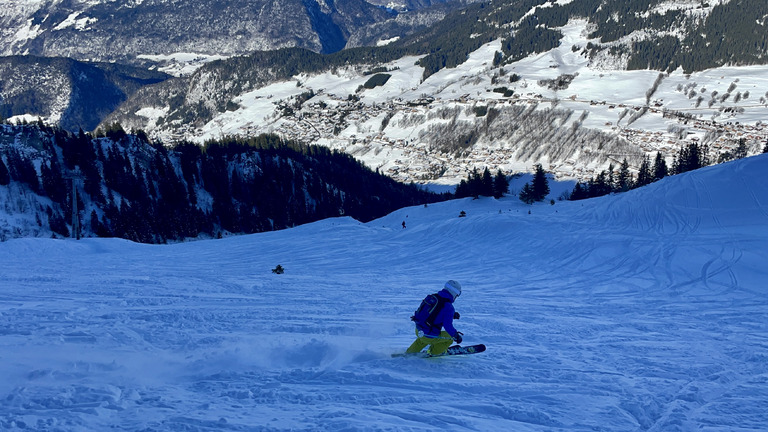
645	311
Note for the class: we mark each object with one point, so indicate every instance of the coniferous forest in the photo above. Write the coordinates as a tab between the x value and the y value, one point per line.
129	187
688	158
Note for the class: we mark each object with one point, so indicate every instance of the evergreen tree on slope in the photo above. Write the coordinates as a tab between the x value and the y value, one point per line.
540	183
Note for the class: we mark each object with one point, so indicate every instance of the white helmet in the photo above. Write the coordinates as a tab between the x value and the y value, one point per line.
454	288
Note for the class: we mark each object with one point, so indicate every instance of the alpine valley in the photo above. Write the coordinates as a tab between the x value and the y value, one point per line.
421	92
304	145
574	85
427	94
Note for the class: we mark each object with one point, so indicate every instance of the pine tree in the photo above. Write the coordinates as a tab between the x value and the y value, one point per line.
765	149
22	170
624	180
611	180
599	185
462	189
527	194
644	175
487	183
497	58
741	150
5	176
660	169
54	185
680	162
500	185
579	192
540	184
97	227
115	131
474	183
477	185
468	187
690	157
56	223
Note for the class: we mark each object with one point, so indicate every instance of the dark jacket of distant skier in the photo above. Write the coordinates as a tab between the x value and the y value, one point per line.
429	327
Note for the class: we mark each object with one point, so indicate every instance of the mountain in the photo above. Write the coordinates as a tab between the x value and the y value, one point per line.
576	86
643	311
407	5
66	92
413	16
174	37
126	187
501	84
123	31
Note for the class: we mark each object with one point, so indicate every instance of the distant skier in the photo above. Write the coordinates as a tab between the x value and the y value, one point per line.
403	224
435	313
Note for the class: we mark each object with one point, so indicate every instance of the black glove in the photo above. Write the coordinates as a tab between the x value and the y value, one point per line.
456	315
457	338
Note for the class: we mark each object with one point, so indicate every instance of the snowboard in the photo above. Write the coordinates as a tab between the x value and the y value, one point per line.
454	350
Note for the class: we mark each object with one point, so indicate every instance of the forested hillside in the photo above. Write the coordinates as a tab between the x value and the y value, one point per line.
67	92
130	188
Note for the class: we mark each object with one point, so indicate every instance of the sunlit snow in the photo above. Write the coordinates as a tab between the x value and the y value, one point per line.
640	311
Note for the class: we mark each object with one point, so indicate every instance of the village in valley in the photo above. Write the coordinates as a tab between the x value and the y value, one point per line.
559	109
370	132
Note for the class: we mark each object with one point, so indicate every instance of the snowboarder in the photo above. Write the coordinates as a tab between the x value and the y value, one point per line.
435	313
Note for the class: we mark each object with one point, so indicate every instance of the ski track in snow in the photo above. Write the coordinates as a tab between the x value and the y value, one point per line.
644	311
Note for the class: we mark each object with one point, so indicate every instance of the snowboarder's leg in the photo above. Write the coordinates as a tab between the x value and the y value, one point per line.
418	344
440	344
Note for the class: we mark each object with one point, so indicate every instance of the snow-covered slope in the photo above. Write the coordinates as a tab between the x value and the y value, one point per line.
640	311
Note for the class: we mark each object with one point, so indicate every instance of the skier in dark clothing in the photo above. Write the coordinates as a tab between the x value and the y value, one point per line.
430	324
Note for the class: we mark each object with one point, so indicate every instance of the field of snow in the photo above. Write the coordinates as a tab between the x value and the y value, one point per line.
645	311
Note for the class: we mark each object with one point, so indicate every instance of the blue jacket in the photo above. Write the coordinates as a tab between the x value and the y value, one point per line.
444	319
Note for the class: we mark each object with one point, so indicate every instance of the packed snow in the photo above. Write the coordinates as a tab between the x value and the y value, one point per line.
640	311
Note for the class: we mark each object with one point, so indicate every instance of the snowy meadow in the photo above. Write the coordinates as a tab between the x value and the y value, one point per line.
644	311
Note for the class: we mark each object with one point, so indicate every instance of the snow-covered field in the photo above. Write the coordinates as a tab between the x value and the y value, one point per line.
641	311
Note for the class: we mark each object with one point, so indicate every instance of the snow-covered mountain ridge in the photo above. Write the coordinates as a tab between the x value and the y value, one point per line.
105	30
109	31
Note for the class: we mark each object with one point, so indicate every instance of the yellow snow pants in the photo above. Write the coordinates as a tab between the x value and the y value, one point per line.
437	345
